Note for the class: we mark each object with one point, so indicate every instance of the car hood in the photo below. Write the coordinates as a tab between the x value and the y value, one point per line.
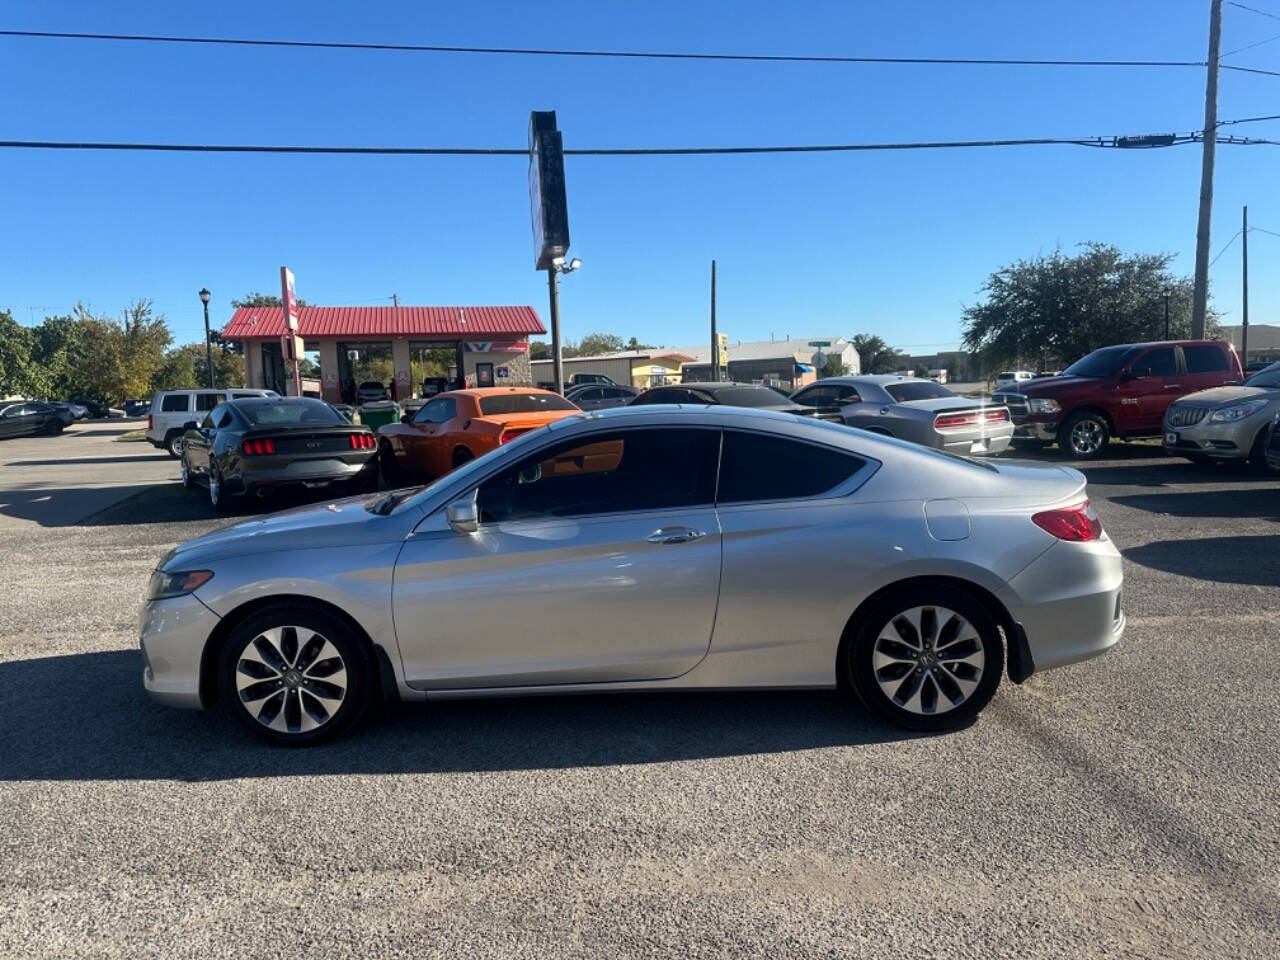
332	525
1052	386
1219	395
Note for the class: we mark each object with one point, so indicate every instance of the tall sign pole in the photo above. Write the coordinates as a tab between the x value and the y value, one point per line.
290	339
550	217
1200	300
715	341
1244	328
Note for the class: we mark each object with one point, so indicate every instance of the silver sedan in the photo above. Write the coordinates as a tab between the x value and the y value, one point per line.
645	548
1226	423
913	409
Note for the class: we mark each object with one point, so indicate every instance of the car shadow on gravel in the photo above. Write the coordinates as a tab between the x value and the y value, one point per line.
1234	560
122	735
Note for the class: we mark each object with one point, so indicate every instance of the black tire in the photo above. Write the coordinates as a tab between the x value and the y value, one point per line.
236	683
217	488
1085	435
1258	454
173	443
53	428
392	475
187	482
926	676
461	455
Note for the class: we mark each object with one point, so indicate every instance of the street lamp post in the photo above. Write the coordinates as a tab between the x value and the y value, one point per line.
208	347
558	266
1166	314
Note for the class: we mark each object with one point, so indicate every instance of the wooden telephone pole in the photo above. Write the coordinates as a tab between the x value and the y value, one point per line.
1200	300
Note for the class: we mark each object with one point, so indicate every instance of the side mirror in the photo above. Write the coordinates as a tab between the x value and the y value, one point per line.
190	425
462	515
405	417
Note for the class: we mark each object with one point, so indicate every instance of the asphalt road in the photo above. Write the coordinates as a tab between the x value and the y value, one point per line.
1126	807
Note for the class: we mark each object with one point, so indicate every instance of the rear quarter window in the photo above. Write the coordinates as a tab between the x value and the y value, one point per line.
1205	359
764	467
175	403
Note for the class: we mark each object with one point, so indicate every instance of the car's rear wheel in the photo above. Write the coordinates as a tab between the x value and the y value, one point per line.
461	455
294	675
391	471
1085	436
173	443
53	428
925	658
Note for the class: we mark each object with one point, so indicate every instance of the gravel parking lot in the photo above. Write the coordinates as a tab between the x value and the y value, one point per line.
1126	807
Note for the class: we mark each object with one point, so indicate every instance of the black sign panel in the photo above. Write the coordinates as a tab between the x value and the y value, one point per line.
546	189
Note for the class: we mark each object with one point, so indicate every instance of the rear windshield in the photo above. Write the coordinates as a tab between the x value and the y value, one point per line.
287	414
907	390
523	403
1100	363
749	397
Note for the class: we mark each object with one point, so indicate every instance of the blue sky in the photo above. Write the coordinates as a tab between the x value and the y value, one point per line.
890	243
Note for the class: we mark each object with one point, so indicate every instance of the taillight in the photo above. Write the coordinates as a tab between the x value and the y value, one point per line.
258	448
508	435
970	418
1077	523
362	441
151	422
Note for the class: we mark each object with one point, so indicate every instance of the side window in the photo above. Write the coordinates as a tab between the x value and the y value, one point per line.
448	409
757	466
814	397
627	470
176	403
1160	362
847	394
1205	359
428	413
244	396
225	420
207	401
593	393
208	422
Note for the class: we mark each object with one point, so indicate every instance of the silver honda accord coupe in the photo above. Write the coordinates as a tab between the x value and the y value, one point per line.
646	548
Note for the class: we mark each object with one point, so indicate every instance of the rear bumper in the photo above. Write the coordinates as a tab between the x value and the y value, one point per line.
1068	603
978	442
173	635
307	473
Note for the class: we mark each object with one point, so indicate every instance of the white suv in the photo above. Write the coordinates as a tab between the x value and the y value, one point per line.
172	409
1012	378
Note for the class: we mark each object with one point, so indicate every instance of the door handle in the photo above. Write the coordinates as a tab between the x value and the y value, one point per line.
675	535
1173	386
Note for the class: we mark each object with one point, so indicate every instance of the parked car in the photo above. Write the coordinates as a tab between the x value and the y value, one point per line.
1121	391
371	391
27	417
600	396
136	408
912	409
1273	444
579	379
1225	423
728	393
253	446
460	425
433	385
96	410
172	409
1011	378
911	577
347	411
75	411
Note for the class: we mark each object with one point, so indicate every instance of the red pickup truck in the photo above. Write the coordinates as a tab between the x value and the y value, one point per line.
1121	391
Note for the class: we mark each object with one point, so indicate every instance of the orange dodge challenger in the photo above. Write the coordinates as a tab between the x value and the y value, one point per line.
457	426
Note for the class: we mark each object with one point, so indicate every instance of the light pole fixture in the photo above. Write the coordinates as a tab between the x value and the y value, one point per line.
558	266
208	347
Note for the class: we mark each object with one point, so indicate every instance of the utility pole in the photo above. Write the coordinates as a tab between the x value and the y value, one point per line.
395	300
557	361
715	341
1166	313
1244	328
1200	299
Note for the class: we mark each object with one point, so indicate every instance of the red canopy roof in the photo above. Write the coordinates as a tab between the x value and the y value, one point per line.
462	323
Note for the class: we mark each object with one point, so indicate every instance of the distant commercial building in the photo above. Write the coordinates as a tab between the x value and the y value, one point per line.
1264	342
486	346
784	363
636	368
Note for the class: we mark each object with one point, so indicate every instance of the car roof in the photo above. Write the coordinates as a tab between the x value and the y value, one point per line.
711	386
494	392
856	378
264	401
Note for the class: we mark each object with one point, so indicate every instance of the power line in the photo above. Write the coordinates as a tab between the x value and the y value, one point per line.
1226	246
1232	66
1263	13
1270	233
1249	46
615	54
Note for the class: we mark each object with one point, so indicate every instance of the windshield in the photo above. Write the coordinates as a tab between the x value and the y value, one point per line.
907	391
1266	377
286	414
523	403
750	397
1100	363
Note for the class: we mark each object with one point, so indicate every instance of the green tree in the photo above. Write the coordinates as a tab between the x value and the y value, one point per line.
594	344
19	375
1060	307
876	356
256	299
634	344
922	372
178	369
144	338
835	366
539	350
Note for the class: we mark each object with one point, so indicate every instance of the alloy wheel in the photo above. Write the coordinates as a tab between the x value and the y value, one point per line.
1086	437
215	487
291	679
186	473
928	660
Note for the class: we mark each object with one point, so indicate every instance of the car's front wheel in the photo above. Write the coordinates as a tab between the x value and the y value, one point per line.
217	488
294	675
187	482
1258	454
1085	436
925	658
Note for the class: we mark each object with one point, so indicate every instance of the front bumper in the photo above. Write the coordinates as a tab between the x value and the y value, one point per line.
1068	603
173	635
1222	441
1044	431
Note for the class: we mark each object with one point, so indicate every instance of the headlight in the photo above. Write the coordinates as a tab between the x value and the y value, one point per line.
174	584
1238	411
1043	405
